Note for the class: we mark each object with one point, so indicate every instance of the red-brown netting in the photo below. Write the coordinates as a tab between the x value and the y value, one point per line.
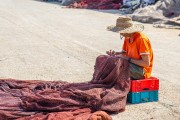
97	4
58	100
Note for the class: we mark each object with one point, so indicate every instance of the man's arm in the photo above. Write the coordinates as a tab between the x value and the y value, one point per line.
144	62
122	52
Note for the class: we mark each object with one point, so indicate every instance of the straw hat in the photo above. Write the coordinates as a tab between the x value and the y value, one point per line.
125	25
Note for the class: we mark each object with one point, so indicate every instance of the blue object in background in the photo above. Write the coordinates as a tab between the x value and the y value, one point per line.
51	0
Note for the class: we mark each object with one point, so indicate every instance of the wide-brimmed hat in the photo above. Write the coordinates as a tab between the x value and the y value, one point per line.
125	24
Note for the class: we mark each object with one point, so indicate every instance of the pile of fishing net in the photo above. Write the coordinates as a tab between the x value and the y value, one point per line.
57	100
164	14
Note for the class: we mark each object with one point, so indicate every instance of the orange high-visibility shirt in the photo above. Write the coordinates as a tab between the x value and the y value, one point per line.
140	46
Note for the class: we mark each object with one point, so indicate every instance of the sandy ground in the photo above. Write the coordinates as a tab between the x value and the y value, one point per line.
44	41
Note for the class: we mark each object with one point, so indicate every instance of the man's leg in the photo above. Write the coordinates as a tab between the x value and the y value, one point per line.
136	72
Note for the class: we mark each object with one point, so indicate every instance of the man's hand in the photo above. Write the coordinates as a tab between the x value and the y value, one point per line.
111	52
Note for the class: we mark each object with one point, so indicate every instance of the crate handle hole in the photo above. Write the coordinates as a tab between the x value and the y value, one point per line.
145	88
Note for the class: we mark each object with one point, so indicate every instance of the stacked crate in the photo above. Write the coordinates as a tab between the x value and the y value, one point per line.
145	90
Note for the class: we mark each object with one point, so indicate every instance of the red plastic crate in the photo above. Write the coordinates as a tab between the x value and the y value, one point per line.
144	85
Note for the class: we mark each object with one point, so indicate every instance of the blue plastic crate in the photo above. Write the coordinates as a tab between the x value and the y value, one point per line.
142	97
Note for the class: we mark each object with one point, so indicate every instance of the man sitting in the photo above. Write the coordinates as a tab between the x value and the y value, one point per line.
136	48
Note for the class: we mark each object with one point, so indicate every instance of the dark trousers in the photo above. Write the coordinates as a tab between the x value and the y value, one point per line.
136	72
